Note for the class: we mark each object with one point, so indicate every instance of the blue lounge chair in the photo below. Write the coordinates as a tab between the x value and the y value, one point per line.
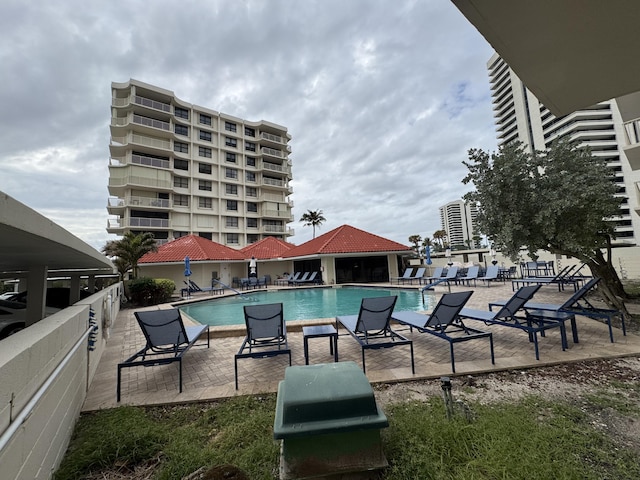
310	279
561	279
167	340
444	322
405	276
294	278
437	275
578	305
509	316
472	274
371	329
417	276
266	334
490	275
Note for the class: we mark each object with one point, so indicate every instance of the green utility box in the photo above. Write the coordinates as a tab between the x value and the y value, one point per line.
329	423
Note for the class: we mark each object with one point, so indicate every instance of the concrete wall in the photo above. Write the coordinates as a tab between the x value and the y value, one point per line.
45	372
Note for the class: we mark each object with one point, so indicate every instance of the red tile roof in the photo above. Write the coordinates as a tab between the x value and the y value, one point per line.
346	239
267	248
197	248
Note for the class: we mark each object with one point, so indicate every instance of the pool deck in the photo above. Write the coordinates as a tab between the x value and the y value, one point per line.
208	374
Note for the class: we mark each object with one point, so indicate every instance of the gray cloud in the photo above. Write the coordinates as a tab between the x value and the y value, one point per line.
382	99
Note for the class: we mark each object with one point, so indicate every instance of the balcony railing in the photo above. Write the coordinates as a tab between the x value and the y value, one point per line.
272	151
273	182
276	213
149	202
149	222
147	102
276	168
271	137
142	181
151	162
151	122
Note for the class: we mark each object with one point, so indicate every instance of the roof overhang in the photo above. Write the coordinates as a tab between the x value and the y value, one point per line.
570	53
29	240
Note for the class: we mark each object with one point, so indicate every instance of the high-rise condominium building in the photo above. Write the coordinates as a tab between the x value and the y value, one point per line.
178	169
458	220
519	116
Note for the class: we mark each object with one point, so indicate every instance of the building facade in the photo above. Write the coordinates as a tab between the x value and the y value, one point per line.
519	116
177	169
458	220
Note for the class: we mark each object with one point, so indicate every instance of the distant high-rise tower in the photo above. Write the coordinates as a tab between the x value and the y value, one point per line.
458	220
178	169
519	116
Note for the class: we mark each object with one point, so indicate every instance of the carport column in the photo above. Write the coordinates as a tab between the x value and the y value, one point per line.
74	294
36	298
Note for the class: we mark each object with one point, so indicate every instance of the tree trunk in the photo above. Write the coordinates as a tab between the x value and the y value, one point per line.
610	284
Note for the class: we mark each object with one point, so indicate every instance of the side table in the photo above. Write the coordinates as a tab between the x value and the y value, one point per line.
319	331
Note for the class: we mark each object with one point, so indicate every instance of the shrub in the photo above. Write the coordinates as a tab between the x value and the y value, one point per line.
150	291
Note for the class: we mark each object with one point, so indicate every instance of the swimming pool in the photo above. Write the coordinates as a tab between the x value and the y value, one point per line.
301	303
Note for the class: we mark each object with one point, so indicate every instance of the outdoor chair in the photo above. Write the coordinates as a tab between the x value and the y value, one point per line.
492	274
371	329
578	305
294	278
508	316
266	334
405	276
198	289
310	279
472	274
437	275
417	276
444	322
561	279
166	341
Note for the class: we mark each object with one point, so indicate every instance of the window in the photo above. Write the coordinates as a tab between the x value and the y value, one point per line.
204	152
204	168
252	223
251	161
250	146
181	182
181	129
230	142
251	177
205	135
205	119
231	189
181	112
231	173
251	191
232	205
180	147
204	185
206	235
231	157
180	164
233	239
177	234
249	132
180	200
231	222
204	202
252	207
252	238
230	127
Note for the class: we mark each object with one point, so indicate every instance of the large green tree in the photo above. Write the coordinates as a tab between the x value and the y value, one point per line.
561	200
127	250
313	218
415	240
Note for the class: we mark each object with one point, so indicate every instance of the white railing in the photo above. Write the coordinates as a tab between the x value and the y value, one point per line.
275	168
147	102
276	213
151	122
632	131
149	202
149	161
150	142
136	180
271	137
272	151
148	222
273	182
115	202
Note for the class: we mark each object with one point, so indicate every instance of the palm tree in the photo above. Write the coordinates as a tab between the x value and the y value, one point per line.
128	250
439	236
313	218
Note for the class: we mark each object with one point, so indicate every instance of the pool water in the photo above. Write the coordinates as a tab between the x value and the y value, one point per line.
301	304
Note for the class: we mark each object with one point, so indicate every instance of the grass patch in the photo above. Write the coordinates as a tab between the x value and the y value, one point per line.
528	439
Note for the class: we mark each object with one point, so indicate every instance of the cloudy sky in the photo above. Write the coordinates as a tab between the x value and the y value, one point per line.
383	99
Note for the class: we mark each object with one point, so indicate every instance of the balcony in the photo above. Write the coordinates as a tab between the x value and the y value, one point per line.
285	169
147	102
136	180
272	182
151	122
277	213
150	161
272	152
632	137
149	222
148	202
141	140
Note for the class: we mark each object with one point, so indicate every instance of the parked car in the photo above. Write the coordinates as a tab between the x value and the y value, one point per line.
12	317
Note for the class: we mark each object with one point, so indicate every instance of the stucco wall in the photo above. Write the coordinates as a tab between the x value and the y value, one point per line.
45	371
